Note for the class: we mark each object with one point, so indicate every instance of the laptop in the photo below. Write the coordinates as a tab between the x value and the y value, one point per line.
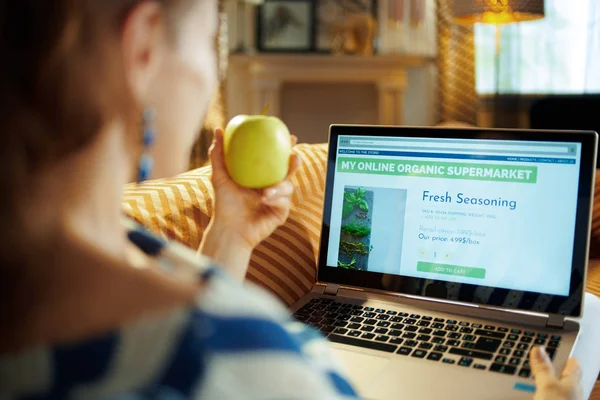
446	254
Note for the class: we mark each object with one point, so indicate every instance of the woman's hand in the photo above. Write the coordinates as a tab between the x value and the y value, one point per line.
243	217
548	385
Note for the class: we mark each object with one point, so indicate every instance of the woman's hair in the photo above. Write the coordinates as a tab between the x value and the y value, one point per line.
61	80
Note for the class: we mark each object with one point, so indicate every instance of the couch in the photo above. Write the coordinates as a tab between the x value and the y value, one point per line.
180	208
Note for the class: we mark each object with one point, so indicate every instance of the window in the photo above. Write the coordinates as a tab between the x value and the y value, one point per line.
559	54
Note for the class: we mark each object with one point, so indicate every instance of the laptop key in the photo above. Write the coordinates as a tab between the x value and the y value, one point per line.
369	309
423	323
513	337
419	353
433	356
396	319
354	333
526	364
438	340
515	361
451	328
439	333
403	314
451	322
492	334
556	337
525	373
437	326
500	359
508	344
363	343
487	344
344	317
426	318
453	342
519	353
383	317
471	353
327	328
341	324
424	338
465	362
502	329
381	331
394	332
404	351
383	324
415	316
369	315
468	345
469	338
391	313
409	335
479	366
382	338
551	352
504	351
440	348
368	336
411	343
370	322
411	328
410	321
396	340
529	333
380	310
540	342
542	336
439	320
504	369
526	339
425	345
553	343
448	361
367	328
476	325
454	335
516	331
341	331
463	323
353	326
489	327
397	326
426	331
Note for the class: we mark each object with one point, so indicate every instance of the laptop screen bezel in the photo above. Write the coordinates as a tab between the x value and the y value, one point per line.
412	286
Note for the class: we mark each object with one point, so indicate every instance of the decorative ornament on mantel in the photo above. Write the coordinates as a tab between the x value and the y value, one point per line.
243	11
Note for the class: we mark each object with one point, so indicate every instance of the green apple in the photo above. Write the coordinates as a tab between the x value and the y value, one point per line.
257	150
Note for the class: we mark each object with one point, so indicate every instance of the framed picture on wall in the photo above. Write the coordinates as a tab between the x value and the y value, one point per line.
333	16
286	26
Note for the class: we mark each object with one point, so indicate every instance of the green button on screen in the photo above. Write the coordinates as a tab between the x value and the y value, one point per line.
454	270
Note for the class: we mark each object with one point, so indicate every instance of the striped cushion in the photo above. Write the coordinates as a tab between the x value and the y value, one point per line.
180	208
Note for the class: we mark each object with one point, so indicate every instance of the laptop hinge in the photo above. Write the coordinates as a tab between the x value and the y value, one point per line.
555	321
331	289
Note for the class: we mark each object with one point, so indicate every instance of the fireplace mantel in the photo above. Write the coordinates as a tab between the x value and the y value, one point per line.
255	80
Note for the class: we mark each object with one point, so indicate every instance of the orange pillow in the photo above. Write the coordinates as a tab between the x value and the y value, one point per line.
180	208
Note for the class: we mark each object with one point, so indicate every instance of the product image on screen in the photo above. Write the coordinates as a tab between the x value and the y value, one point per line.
361	247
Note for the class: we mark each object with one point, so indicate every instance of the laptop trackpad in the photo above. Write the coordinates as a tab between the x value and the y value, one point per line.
361	369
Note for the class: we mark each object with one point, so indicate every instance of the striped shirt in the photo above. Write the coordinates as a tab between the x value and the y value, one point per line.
237	342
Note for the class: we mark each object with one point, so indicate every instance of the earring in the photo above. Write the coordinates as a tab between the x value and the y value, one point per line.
146	162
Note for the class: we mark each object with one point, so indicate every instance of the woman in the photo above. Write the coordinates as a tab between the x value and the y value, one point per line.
92	315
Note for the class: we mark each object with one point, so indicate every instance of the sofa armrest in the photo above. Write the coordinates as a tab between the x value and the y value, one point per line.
180	208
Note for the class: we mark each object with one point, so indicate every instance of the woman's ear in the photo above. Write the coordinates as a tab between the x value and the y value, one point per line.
143	45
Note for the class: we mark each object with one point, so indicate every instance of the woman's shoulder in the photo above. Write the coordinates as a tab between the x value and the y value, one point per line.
236	341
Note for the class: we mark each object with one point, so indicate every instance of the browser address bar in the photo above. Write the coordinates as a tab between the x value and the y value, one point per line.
471	146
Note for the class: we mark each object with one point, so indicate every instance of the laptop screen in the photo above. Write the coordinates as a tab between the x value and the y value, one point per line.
489	213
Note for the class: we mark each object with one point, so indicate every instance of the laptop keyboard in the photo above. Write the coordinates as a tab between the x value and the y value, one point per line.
473	345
